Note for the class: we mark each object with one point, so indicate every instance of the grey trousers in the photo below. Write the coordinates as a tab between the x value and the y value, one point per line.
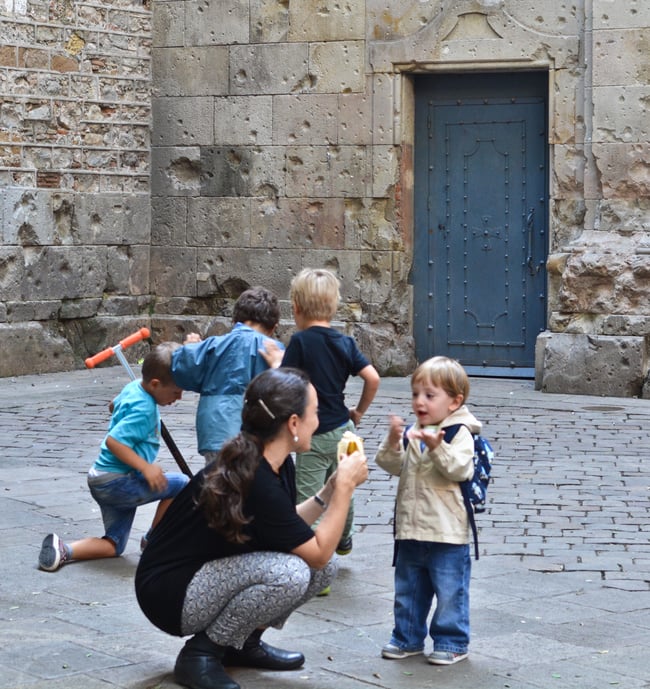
229	598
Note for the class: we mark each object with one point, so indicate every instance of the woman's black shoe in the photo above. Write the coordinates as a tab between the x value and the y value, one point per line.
258	654
199	665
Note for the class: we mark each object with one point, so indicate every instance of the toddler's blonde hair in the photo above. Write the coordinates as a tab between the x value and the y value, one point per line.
444	373
315	291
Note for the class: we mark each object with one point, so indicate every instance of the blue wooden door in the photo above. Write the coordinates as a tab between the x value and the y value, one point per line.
481	219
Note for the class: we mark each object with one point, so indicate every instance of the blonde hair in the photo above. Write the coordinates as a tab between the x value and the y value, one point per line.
315	291
444	373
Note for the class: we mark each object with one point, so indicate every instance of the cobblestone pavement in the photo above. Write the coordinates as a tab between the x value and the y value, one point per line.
559	597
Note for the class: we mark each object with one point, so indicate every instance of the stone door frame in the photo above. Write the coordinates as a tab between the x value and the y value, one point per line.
472	38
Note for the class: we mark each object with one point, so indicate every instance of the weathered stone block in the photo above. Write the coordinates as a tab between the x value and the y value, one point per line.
218	221
621	114
12	272
243	121
242	171
337	67
610	14
305	119
31	348
319	171
267	69
233	270
568	171
390	351
355	119
20	311
384	170
621	56
27	217
175	328
625	214
591	365
269	21
168	26
190	71
64	273
566	126
79	308
292	223
384	108
624	170
168	220
183	121
176	171
370	224
173	271
208	22
127	270
88	336
123	306
314	20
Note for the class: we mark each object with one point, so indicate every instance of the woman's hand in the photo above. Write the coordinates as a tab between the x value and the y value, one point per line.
352	468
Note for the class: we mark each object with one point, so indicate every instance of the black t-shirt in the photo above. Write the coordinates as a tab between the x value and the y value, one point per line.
329	358
183	542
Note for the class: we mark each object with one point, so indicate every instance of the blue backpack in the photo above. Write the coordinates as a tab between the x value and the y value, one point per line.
474	490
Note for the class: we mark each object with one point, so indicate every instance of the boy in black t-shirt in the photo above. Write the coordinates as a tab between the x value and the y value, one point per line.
329	358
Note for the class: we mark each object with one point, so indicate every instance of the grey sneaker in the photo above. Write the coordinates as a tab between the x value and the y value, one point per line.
445	657
53	553
393	652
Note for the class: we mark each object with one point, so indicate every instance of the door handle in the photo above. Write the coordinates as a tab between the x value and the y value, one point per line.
530	223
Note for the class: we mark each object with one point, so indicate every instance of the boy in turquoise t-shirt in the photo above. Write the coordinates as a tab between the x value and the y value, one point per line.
125	475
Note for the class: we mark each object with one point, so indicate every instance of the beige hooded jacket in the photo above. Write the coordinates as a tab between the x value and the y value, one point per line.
429	503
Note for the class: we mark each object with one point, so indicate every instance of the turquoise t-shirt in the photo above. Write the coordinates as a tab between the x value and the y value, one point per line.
135	422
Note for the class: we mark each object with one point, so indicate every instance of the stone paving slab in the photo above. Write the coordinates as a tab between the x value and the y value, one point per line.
560	595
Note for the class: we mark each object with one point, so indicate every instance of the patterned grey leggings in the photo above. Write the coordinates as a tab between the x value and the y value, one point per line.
231	597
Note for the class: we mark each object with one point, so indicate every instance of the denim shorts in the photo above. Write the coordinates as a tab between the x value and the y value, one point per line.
119	498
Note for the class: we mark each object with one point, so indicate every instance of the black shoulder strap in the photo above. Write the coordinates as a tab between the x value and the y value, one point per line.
450	432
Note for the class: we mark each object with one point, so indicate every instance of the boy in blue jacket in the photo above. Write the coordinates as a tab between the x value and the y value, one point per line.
221	367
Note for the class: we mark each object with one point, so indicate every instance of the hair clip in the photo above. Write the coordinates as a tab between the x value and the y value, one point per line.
266	409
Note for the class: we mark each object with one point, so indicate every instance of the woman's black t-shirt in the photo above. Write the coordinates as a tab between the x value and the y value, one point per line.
183	542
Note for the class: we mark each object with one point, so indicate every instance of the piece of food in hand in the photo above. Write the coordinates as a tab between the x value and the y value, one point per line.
349	443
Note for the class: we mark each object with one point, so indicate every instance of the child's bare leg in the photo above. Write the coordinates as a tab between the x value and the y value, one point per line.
160	511
92	548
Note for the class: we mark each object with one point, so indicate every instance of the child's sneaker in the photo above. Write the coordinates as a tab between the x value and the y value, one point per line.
393	652
445	657
53	553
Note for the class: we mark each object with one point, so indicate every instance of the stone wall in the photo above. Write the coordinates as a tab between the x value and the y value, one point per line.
74	172
282	137
273	150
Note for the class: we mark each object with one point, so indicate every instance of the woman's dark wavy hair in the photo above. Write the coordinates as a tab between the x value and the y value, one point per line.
271	398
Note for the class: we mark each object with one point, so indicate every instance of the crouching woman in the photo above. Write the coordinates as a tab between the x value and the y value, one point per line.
233	553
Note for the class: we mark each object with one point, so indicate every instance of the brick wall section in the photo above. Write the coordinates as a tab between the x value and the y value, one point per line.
75	95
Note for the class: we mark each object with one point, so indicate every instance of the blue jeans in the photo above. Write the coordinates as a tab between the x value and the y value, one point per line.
423	570
119	497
